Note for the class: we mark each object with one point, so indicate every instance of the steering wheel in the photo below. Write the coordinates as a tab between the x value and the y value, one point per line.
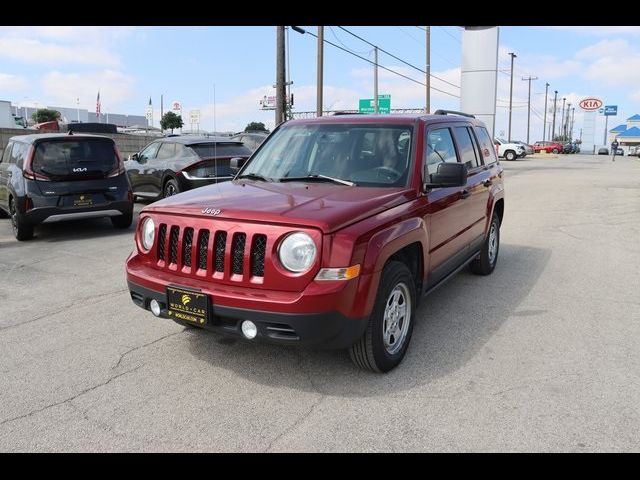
389	172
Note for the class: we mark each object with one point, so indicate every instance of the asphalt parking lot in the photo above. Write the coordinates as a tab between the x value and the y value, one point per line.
543	355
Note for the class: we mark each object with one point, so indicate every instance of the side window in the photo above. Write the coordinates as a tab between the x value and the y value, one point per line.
486	148
149	152
17	155
439	149
6	155
167	150
465	147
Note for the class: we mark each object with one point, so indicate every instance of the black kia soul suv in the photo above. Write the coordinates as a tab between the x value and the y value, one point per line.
55	177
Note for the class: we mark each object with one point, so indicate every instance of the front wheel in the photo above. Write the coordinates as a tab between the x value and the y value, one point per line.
555	150
510	155
22	229
386	339
170	188
486	260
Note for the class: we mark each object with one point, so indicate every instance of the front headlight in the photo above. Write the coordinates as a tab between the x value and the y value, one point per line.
297	252
147	233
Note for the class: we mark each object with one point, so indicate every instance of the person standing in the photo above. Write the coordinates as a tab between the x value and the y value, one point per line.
614	148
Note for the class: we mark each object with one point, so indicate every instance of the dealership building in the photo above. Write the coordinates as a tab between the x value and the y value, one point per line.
82	115
627	133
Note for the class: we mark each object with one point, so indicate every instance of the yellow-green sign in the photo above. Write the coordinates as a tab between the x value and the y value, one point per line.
367	105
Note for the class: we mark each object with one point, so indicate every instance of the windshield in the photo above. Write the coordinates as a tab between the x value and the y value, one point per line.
366	154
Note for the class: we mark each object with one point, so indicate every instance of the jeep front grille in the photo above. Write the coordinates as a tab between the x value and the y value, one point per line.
237	247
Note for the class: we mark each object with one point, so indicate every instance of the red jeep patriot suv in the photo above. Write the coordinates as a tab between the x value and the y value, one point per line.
328	235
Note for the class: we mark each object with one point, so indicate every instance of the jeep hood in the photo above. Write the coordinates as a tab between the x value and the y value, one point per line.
328	207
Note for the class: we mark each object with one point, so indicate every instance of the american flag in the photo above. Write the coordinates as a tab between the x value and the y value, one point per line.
98	105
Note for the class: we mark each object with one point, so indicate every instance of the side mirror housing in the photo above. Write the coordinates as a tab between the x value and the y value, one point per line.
448	175
237	163
133	156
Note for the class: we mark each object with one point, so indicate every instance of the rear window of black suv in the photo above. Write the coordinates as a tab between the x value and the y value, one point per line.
65	158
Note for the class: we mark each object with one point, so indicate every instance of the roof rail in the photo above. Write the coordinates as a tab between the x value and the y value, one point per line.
453	112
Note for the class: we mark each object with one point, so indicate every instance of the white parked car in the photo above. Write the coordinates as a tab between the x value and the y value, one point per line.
508	151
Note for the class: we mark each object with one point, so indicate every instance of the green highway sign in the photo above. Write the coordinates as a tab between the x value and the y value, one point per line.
366	105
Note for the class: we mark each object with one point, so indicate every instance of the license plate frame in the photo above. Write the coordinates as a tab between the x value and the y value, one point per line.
188	304
83	200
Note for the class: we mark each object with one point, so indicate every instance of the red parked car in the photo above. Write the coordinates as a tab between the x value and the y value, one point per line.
329	235
549	147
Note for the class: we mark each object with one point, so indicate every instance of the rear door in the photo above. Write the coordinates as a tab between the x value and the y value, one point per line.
140	171
4	176
476	193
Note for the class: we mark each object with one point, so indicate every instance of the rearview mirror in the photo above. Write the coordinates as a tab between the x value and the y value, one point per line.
447	175
237	163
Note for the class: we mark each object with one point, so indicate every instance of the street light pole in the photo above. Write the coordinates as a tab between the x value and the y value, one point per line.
529	104
280	75
566	123
513	55
562	117
78	108
428	74
555	105
375	80
544	123
320	71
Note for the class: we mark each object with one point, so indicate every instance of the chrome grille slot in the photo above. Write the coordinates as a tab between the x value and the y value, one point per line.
258	250
203	249
237	252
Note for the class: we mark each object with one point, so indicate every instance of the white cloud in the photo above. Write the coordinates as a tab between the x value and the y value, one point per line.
34	51
63	88
12	82
600	30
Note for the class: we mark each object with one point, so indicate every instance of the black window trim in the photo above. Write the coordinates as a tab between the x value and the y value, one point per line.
472	170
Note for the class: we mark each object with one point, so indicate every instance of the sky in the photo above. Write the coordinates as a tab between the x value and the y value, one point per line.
236	65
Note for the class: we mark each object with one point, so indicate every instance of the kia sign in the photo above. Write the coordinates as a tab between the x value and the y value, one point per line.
590	104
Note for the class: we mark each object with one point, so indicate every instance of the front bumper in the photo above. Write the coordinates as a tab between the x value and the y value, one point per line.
330	330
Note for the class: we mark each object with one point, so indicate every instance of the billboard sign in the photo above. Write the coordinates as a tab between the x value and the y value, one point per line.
611	110
194	116
176	107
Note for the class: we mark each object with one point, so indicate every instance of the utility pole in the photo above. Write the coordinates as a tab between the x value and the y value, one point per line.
529	104
566	123
562	117
513	55
428	79
280	75
320	71
544	123
555	104
161	110
375	81
78	109
573	116
606	126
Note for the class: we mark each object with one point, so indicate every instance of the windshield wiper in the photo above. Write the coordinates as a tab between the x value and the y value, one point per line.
253	176
317	176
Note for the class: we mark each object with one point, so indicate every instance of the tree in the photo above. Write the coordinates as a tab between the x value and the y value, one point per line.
171	120
256	127
45	115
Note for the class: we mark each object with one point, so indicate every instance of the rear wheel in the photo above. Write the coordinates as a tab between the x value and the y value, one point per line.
510	155
170	188
386	339
122	221
488	257
22	229
555	150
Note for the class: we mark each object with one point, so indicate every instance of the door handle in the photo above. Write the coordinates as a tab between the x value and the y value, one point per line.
487	183
465	194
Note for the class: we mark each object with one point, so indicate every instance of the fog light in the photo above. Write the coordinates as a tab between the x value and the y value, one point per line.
155	307
249	329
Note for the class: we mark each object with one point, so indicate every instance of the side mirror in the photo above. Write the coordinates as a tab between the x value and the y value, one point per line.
448	175
237	163
133	156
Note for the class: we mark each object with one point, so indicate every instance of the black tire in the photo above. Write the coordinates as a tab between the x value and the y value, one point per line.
485	263
170	188
22	229
510	155
555	150
122	221
369	352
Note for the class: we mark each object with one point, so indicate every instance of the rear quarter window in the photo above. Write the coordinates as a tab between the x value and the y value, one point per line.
487	149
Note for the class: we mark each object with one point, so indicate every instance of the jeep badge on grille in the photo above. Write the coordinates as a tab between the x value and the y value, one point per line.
211	211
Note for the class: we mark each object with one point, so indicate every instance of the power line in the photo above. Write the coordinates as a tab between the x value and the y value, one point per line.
450	34
381	66
397	58
352	51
